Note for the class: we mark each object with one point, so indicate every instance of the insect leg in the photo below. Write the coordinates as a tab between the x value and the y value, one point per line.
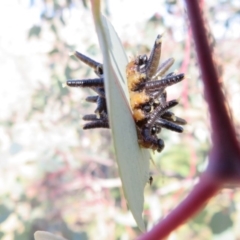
154	57
158	111
96	124
98	67
92	99
168	125
163	83
90	117
101	105
95	82
162	69
172	118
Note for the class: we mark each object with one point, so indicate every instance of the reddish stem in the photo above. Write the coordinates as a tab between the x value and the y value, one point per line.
201	193
224	158
220	121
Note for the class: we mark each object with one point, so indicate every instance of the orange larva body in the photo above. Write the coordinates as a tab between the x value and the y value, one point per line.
137	98
134	77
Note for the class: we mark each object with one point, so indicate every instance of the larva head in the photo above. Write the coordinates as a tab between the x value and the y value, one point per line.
99	70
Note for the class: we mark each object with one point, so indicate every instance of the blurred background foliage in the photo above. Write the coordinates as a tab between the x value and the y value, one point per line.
57	177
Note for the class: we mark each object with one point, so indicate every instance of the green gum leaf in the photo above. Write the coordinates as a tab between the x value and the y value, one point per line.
133	162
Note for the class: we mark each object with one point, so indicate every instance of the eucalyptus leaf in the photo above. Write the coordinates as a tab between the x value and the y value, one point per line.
133	162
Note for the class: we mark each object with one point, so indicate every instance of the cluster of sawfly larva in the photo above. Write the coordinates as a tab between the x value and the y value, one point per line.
147	85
